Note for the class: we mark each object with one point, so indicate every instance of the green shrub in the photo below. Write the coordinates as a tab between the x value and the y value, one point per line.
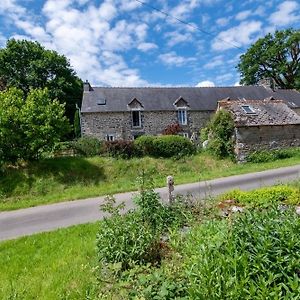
88	146
257	256
126	240
121	148
134	238
219	133
164	146
62	146
265	156
265	196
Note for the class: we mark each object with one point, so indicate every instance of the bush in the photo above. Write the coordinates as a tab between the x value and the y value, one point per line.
164	146
220	134
172	129
121	148
125	239
266	156
257	256
88	146
265	197
134	238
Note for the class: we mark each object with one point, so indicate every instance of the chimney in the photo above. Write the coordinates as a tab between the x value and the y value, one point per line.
87	87
267	83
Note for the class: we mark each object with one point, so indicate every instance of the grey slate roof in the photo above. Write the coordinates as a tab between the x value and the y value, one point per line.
163	98
270	112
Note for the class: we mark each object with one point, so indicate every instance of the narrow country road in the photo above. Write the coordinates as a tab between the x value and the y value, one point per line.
28	221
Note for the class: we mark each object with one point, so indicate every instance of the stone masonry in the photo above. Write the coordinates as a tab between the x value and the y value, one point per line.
119	124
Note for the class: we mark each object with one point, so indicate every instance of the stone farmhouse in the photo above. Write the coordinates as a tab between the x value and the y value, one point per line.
113	113
262	125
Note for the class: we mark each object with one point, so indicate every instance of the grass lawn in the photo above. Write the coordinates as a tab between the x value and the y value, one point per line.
63	179
54	265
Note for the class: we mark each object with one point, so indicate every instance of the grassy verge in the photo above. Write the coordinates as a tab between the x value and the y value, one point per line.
55	265
63	179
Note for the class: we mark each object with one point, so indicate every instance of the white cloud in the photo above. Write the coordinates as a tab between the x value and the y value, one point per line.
85	35
285	14
147	46
205	83
222	21
237	83
176	37
243	34
215	62
243	15
224	78
129	5
172	59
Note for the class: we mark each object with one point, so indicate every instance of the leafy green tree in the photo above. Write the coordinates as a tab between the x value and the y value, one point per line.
29	124
28	65
220	131
274	56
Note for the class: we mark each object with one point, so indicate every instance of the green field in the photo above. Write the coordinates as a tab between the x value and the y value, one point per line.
54	265
64	179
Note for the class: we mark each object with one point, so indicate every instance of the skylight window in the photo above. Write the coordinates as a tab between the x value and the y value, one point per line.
248	109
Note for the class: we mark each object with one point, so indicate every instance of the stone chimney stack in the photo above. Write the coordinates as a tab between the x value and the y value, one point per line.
267	83
87	87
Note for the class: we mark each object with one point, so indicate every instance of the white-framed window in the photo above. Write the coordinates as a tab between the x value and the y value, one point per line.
248	109
110	137
182	117
185	134
136	119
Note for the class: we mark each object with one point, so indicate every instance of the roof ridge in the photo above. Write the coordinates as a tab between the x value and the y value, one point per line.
169	87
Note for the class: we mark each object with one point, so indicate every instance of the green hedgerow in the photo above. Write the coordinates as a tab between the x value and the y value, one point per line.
265	197
164	146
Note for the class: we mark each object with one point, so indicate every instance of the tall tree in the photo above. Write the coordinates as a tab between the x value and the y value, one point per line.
29	124
26	64
275	56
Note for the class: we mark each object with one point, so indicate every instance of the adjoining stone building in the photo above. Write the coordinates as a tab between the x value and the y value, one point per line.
262	125
110	113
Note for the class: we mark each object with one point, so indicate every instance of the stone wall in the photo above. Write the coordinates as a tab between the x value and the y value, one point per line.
249	139
119	124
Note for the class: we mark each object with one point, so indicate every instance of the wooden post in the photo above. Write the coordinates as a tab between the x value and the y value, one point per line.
170	186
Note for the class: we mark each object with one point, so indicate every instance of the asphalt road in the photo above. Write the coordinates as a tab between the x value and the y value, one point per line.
29	221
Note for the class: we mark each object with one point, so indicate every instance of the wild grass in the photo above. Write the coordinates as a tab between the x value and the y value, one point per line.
249	255
63	179
54	265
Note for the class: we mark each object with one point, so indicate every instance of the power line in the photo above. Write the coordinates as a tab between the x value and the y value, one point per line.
188	24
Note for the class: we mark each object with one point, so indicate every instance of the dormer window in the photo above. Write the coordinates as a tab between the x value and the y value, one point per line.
181	116
136	119
248	109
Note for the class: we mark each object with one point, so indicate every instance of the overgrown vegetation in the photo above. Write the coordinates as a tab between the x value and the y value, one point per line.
250	255
67	178
219	134
271	155
265	197
254	254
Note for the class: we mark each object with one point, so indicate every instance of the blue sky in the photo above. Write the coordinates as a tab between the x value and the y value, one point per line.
125	43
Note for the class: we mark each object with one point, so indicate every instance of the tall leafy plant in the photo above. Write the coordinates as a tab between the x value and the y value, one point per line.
220	133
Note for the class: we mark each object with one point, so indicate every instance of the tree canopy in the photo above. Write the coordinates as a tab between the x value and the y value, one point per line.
274	56
28	65
29	124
